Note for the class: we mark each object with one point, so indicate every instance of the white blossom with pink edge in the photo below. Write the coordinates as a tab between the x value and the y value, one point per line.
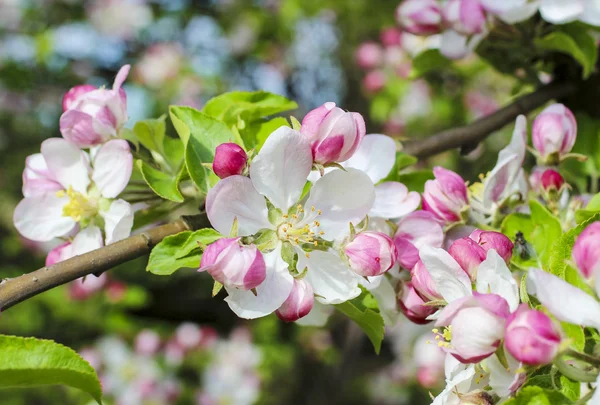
67	195
279	173
461	379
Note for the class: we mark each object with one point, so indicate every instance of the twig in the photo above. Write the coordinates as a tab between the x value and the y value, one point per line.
470	135
15	290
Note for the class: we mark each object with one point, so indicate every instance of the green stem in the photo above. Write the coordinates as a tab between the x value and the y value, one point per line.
594	361
574	373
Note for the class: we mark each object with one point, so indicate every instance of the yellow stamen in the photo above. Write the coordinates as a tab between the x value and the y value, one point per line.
79	206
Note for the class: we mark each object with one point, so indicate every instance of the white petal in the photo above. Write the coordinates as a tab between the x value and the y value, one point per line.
454	45
118	221
493	276
343	197
41	218
236	197
282	166
269	295
318	315
565	301
501	379
375	156
332	281
591	13
112	167
386	299
561	11
86	240
518	14
68	164
450	279
392	200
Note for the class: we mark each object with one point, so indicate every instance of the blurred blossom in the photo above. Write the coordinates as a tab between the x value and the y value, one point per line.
205	42
242	38
11	12
81	41
120	18
17	48
479	104
159	64
416	102
188	335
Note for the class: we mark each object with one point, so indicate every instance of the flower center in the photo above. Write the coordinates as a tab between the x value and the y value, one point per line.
296	230
79	206
443	338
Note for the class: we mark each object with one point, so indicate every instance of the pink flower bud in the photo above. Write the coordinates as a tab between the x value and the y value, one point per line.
147	342
554	131
423	283
420	17
374	81
74	93
551	180
369	55
299	303
371	253
334	133
494	240
531	336
465	16
94	116
390	37
85	287
230	159
586	251
468	254
446	196
413	306
416	230
233	264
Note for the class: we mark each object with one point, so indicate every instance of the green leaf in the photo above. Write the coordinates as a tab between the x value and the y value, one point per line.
576	334
428	61
538	396
256	133
402	161
246	106
569	388
415	180
29	362
151	133
179	251
163	184
591	209
573	41
364	311
203	134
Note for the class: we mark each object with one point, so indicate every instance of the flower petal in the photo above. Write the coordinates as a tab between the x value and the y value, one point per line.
86	240
384	293
118	221
41	218
493	276
342	197
282	166
269	295
112	167
236	197
392	200
565	301
560	11
68	164
37	179
330	277
450	279
375	156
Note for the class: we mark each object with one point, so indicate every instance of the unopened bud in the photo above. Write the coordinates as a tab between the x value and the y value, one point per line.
446	196
299	303
586	251
551	180
554	132
413	306
371	253
230	159
420	17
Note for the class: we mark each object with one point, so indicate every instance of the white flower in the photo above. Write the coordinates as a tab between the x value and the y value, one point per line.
460	379
84	195
561	12
279	173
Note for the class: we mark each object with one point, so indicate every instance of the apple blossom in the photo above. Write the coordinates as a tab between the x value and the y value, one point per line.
423	283
474	326
189	336
416	230
71	96
390	37
461	379
419	17
160	63
299	303
494	240
374	81
334	134
446	196
531	336
230	159
554	132
586	251
551	180
559	12
94	116
505	381
466	17
371	253
147	342
468	254
86	198
234	265
413	306
369	55
292	226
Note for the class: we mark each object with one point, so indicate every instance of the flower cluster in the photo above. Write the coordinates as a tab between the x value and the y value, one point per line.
72	187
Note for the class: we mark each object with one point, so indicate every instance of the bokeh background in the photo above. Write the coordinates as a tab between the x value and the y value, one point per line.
165	340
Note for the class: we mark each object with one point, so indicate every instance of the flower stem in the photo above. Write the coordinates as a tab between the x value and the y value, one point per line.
594	361
574	373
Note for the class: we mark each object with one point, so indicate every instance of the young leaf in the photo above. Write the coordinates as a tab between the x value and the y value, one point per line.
538	396
402	161
573	42
29	362
256	133
415	180
180	251
248	106
151	133
165	185
367	317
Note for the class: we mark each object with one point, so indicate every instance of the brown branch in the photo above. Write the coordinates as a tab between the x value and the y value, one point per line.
470	135
15	290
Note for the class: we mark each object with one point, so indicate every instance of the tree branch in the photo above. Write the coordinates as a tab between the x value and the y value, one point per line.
470	135
15	290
